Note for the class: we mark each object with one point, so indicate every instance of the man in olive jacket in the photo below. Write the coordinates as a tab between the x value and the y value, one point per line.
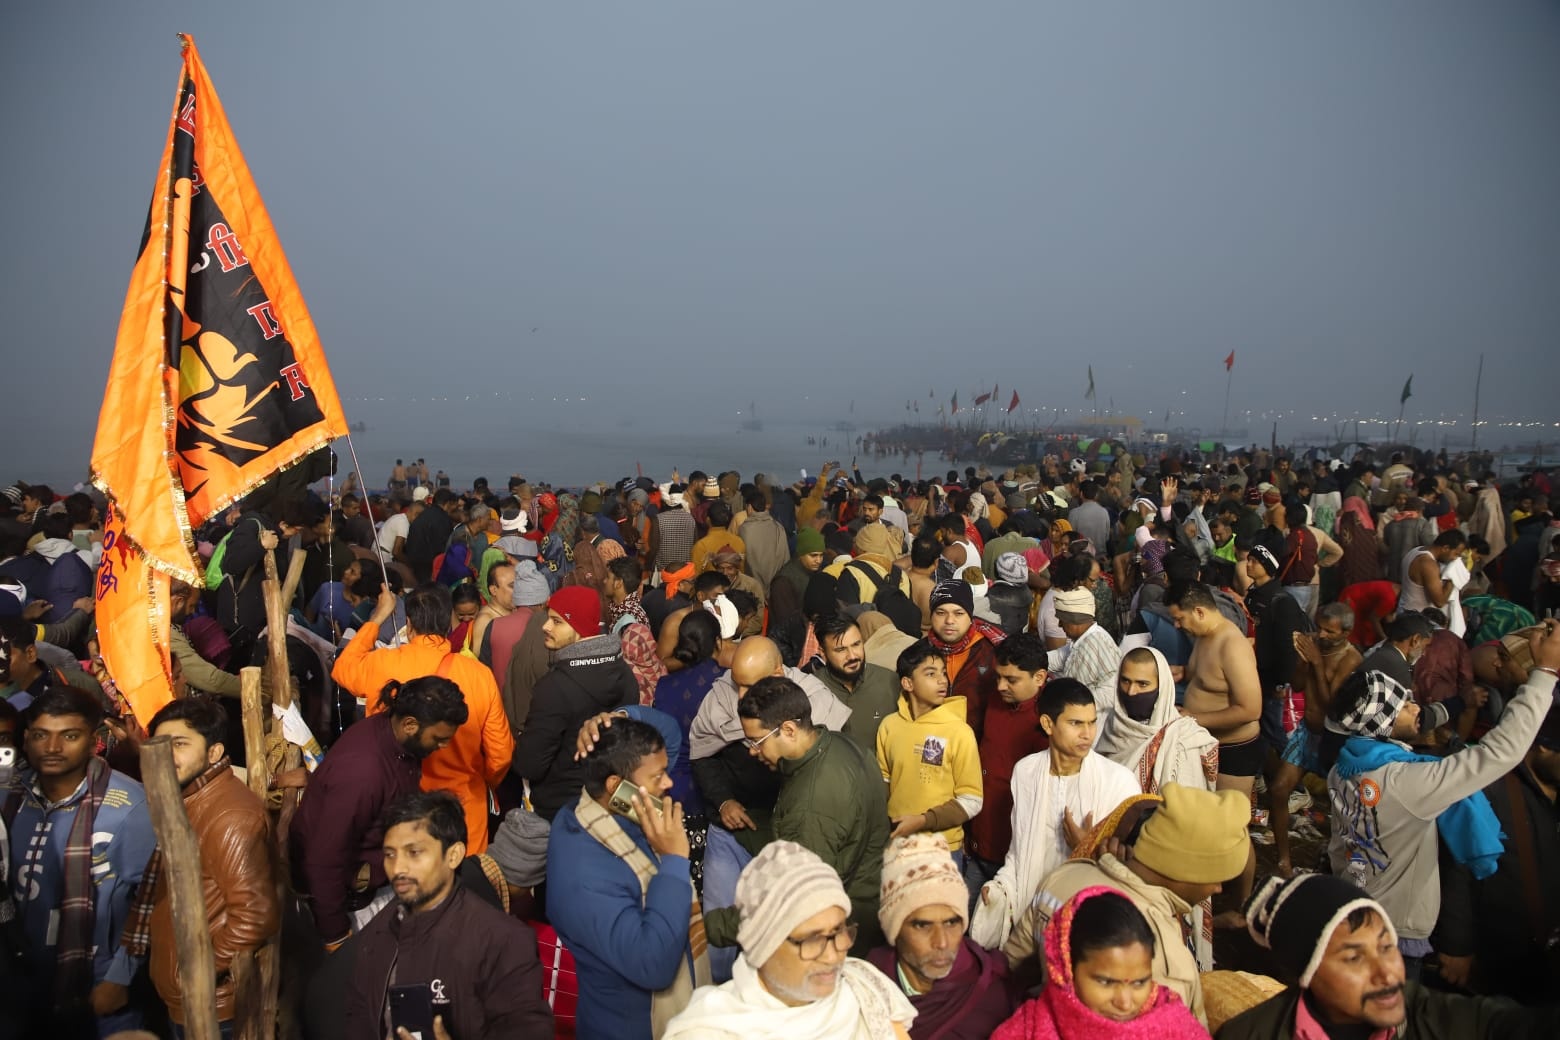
832	802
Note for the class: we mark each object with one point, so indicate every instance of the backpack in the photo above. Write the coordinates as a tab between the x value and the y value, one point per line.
214	573
890	600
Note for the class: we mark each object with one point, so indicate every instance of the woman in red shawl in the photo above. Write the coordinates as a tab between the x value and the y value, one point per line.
1099	957
1361	549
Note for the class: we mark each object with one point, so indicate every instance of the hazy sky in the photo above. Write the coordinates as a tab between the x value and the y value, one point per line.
700	204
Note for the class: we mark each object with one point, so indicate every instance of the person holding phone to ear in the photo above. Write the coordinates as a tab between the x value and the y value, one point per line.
627	909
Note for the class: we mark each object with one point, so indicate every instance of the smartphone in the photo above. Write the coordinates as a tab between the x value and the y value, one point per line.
7	765
622	800
411	1009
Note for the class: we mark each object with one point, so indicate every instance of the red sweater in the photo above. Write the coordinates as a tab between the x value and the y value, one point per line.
1011	733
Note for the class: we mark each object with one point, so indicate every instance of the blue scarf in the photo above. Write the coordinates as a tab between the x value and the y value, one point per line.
1470	827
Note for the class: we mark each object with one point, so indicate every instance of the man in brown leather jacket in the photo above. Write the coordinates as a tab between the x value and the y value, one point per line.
237	858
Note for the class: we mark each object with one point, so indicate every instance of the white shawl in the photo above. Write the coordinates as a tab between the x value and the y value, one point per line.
1179	759
717	724
1102	785
865	1005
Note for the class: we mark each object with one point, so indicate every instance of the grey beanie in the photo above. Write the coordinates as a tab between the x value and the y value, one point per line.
520	848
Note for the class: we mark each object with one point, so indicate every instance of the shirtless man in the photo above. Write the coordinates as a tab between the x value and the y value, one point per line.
1326	658
1224	695
398	480
923	562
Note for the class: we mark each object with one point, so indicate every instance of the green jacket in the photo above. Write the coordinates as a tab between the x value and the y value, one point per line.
1431	1016
833	802
875	697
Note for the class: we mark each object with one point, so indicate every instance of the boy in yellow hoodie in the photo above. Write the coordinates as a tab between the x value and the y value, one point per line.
928	753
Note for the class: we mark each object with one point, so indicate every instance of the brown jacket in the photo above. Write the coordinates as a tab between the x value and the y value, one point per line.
239	879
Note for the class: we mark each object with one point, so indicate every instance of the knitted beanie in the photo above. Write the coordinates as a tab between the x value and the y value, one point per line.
1296	918
1197	836
956	591
580	607
1012	569
519	847
809	540
918	871
781	887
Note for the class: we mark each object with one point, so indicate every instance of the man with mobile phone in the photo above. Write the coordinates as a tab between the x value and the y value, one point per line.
440	961
627	909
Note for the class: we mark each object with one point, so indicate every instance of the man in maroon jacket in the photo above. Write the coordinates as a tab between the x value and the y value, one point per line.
336	840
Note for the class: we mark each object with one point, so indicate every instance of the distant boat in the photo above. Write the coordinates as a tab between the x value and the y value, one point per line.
753	422
357	427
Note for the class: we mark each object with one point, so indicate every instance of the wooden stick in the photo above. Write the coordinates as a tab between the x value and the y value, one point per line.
276	634
294	577
254	732
182	874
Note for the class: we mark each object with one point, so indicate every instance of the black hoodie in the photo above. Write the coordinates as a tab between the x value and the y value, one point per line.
585	679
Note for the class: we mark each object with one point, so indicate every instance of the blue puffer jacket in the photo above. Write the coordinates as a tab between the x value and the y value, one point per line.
625	947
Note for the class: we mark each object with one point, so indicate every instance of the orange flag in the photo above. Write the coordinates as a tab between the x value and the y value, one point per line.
218	380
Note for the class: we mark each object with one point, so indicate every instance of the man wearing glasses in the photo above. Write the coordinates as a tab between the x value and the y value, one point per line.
794	978
832	801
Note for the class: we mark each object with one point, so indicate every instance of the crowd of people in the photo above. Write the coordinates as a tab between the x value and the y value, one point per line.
991	755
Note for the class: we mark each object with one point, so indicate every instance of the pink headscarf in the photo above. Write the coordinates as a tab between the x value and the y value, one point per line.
1356	505
1058	1014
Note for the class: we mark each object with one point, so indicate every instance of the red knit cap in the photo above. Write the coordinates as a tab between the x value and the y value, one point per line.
580	607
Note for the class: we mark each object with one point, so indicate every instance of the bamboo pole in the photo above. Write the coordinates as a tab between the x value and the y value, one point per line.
182	874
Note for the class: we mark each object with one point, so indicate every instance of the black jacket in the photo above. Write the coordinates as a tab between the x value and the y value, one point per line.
1278	618
426	539
733	772
1431	1016
585	679
480	959
1493	919
240	601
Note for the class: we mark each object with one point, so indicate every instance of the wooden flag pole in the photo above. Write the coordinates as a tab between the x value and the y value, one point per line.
257	980
181	873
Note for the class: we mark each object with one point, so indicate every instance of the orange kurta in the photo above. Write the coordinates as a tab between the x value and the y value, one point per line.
479	756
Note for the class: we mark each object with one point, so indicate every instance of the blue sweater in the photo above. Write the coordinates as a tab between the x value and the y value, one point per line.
625	948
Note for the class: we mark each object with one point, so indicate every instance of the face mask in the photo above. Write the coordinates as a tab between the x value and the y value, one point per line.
1139	706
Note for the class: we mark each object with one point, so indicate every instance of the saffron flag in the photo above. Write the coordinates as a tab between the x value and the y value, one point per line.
1089	394
1013	403
217	382
1408	391
1229	362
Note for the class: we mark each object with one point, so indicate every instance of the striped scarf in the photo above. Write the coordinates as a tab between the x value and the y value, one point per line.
73	954
695	970
137	936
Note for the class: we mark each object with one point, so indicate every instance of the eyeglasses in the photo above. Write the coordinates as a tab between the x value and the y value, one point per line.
812	947
752	745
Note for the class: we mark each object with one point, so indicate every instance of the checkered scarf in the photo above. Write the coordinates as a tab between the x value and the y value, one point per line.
1375	712
137	936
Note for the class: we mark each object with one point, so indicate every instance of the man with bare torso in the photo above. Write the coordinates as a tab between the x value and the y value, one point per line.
1224	695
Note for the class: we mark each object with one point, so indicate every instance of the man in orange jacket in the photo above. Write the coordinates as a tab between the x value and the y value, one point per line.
479	756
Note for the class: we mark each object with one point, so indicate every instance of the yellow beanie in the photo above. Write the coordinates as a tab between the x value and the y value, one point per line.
1196	836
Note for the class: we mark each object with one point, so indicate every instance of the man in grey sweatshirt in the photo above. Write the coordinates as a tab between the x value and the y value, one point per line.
1390	806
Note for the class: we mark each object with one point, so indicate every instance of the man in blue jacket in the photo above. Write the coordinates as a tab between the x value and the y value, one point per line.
619	892
80	841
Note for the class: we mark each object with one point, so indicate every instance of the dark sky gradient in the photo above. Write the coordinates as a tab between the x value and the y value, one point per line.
707	203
